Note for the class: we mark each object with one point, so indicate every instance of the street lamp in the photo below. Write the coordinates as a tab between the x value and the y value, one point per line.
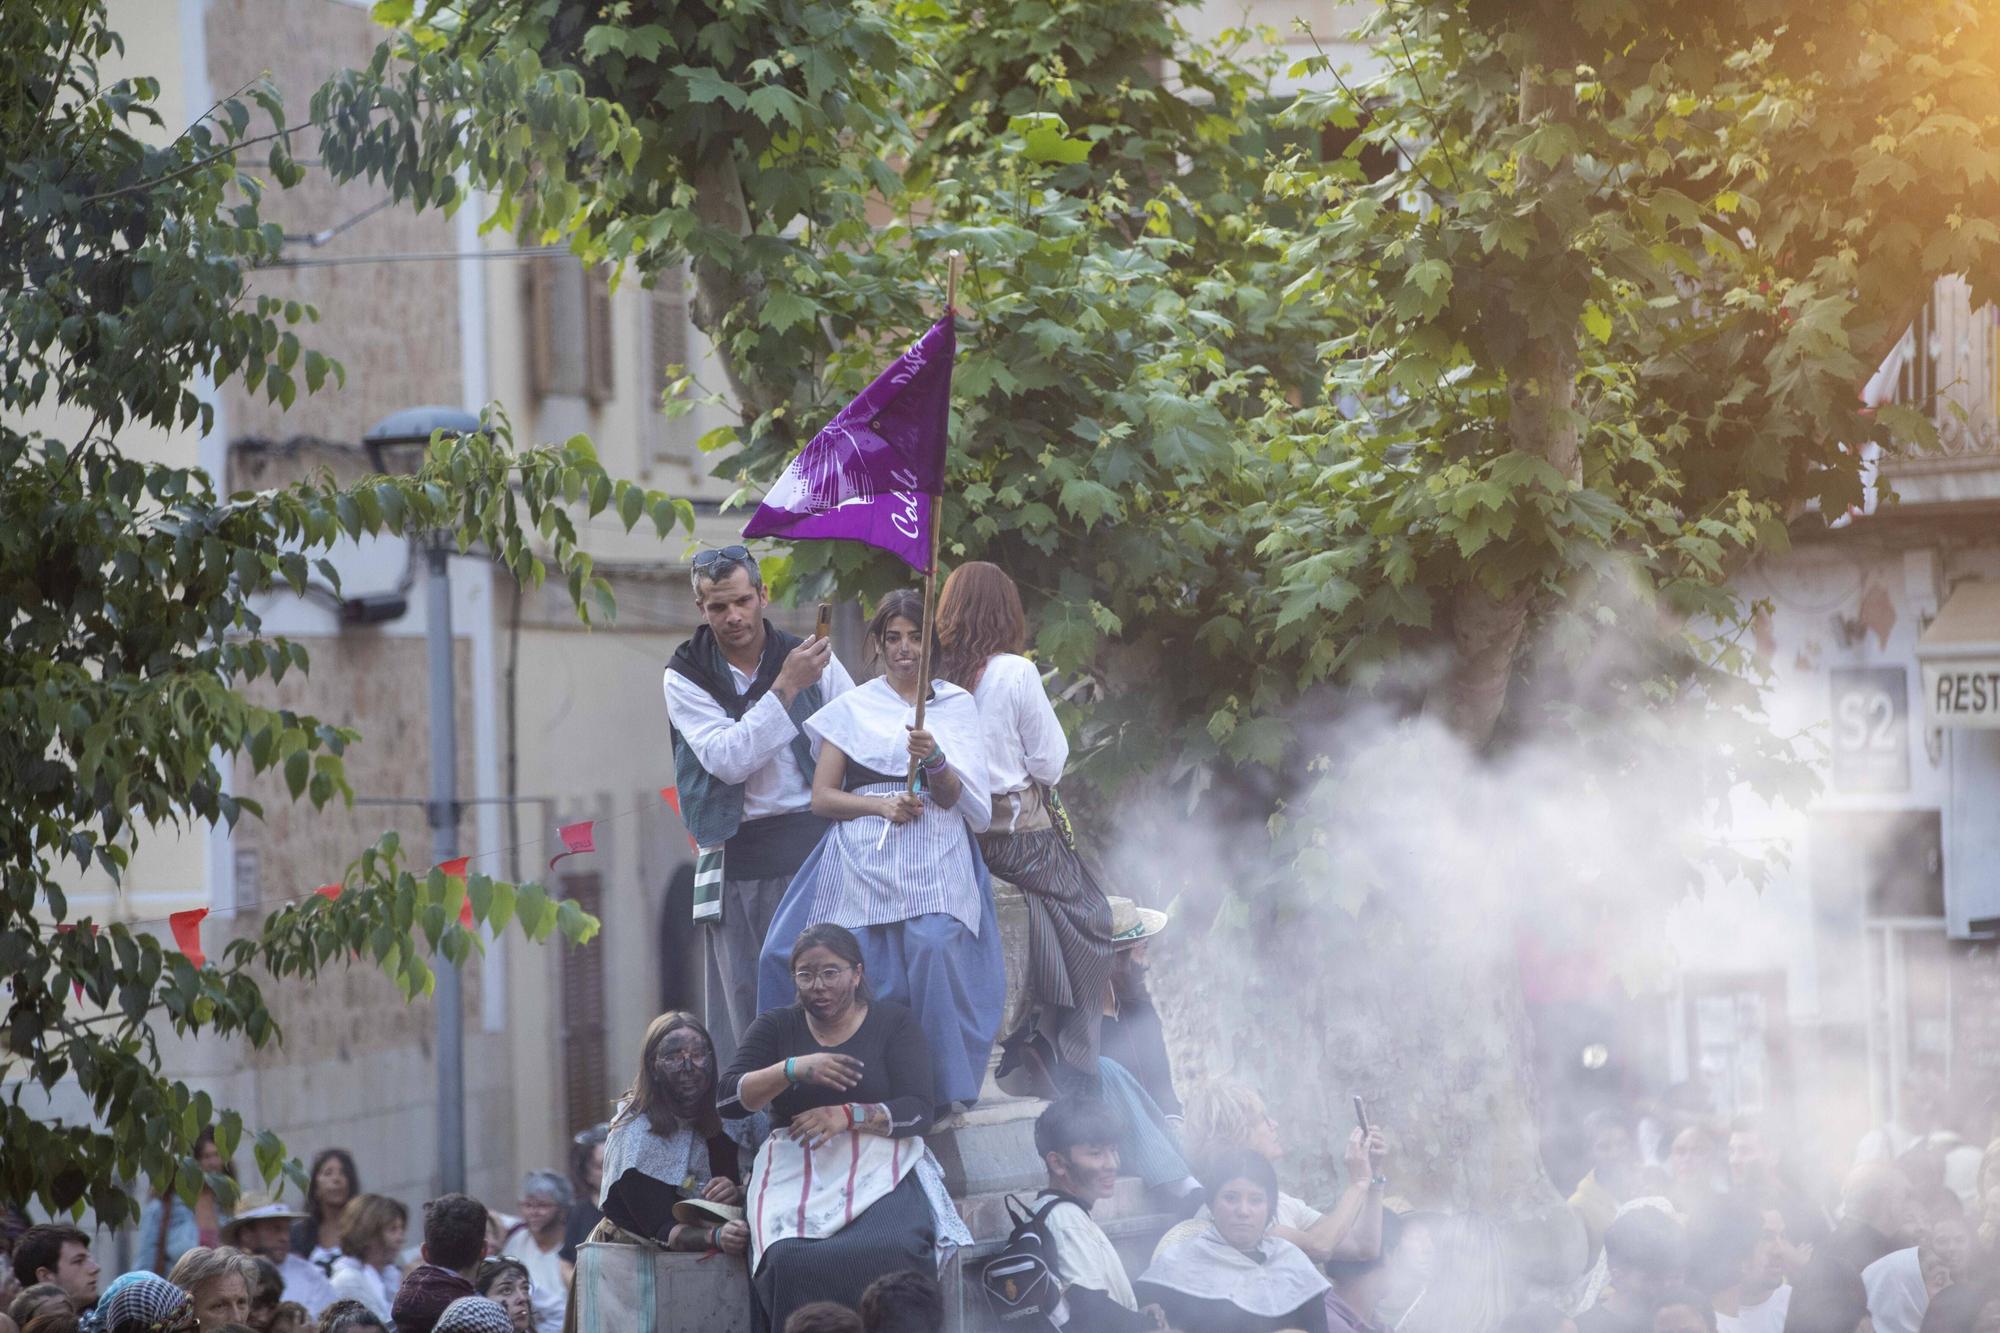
396	444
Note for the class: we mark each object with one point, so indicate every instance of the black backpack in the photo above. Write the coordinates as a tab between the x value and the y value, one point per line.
1022	1282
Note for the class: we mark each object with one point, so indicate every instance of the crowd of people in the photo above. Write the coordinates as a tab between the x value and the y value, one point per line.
854	992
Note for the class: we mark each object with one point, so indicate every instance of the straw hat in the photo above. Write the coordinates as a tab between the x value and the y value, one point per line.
257	1208
706	1212
1131	923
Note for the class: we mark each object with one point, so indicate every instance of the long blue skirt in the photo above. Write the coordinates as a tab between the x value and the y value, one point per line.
955	982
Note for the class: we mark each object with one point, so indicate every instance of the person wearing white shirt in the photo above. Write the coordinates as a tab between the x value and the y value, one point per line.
537	1246
372	1230
738	694
1736	1258
981	632
264	1227
1077	1138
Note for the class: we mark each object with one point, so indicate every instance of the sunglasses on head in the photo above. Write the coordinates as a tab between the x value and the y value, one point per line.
721	555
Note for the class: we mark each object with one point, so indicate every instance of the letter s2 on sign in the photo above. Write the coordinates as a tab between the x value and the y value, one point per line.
1871	734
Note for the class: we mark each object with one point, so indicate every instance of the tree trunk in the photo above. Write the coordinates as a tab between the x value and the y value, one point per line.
1541	366
719	290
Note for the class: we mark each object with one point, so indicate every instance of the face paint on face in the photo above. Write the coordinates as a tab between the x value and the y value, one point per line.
902	651
681	1062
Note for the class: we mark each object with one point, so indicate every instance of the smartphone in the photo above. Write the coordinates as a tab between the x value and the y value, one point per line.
1360	1115
824	629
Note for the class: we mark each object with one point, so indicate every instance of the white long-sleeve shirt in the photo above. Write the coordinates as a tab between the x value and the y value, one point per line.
754	750
1024	742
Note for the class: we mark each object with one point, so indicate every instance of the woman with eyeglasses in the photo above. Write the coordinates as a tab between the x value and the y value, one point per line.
899	864
844	1189
667	1144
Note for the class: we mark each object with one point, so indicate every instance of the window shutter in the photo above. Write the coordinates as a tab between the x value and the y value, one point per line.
670	331
538	280
586	1079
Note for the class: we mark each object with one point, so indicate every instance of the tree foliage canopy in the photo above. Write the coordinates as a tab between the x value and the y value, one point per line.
128	608
1530	332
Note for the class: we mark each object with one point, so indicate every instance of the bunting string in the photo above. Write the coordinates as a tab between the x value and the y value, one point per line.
575	839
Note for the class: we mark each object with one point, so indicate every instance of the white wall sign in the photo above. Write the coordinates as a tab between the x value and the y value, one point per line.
1963	692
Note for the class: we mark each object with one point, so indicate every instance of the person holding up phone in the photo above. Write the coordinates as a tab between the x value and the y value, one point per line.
738	695
1222	1116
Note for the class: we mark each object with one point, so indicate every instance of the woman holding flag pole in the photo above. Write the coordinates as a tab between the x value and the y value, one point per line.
902	869
901	769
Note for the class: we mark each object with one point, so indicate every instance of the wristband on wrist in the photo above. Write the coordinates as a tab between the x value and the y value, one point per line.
851	1108
934	762
790	1077
715	1238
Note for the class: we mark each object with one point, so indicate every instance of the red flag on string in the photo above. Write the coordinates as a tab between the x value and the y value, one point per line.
187	934
576	838
328	891
455	869
672	796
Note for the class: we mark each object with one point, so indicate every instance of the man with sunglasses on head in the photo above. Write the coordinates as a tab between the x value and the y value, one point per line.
737	694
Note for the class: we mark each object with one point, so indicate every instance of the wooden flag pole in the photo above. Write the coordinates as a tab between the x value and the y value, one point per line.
952	263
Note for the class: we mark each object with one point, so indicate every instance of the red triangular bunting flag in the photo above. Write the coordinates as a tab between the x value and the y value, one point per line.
328	891
576	838
455	869
672	796
187	934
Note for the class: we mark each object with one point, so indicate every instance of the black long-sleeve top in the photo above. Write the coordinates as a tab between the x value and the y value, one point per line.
1133	1038
895	1066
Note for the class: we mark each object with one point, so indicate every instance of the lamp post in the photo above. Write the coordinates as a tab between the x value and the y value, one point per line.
396	444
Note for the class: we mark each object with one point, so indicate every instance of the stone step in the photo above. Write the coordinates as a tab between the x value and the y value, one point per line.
990	1148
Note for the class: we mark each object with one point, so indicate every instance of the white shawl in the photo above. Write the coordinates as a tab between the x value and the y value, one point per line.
870	725
1277	1281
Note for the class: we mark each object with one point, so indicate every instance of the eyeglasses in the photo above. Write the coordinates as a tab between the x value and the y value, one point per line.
722	555
685	1059
806	978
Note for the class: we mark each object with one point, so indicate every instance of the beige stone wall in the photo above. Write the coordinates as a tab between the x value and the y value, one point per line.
393	326
355	1067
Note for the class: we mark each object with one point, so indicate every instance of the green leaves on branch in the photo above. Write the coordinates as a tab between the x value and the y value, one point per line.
132	593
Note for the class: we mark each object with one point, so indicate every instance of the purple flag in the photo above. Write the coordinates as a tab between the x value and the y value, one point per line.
870	474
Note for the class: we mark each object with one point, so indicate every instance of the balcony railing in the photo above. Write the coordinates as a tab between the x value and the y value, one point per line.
1949	365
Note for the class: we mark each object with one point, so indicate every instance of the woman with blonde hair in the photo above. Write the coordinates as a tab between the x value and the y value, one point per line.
372	1228
1223	1116
981	633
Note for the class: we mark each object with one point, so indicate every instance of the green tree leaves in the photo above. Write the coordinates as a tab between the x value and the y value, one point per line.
129	589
